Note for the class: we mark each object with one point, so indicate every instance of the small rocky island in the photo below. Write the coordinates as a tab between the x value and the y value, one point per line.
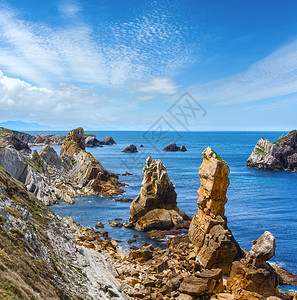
130	149
173	147
155	207
276	156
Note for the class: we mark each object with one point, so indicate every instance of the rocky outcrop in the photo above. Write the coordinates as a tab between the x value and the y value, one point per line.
252	275
130	149
86	175
173	147
31	171
40	258
13	138
155	207
108	141
279	155
91	141
46	139
213	241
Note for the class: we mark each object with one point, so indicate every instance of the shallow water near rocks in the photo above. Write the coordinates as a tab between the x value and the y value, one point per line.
257	200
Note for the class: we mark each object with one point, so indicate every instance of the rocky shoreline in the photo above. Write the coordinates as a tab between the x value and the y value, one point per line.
45	256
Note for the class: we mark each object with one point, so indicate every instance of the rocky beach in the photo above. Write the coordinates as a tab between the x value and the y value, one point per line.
201	260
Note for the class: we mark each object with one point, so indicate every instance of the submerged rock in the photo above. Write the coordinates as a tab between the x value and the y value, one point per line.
155	207
131	149
213	241
279	155
173	147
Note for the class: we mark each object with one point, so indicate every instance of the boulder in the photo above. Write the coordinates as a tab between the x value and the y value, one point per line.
252	274
130	149
108	141
91	141
276	156
173	147
214	243
155	207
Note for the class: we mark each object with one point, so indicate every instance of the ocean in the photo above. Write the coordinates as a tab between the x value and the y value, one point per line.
257	200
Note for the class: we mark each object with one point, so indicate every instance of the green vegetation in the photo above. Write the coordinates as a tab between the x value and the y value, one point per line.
259	150
280	141
218	157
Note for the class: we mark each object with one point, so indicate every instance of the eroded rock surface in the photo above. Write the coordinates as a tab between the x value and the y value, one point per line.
155	207
279	155
213	241
252	275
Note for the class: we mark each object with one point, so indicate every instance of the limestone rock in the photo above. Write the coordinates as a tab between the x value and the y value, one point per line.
13	138
173	147
108	141
155	207
74	142
279	155
264	247
130	149
252	274
91	141
213	241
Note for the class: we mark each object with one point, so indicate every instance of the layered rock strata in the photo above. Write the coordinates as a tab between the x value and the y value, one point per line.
40	258
155	207
279	155
213	241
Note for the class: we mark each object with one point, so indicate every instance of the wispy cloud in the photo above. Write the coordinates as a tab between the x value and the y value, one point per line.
151	44
273	76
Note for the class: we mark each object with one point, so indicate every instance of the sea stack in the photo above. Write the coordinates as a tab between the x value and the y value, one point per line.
155	207
214	243
280	155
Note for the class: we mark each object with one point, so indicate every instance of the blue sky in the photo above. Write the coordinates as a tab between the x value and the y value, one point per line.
122	64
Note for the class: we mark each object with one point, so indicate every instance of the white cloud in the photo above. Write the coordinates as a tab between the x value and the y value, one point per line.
273	76
159	85
142	47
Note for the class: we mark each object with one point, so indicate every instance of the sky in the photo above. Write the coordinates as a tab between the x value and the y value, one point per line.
138	65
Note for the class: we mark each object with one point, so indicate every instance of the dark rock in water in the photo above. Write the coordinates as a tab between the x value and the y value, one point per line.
173	147
91	141
276	156
141	146
127	174
131	149
286	277
108	141
99	225
123	199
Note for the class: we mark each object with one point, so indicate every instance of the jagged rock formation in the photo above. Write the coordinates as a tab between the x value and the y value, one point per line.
252	276
108	141
14	139
279	155
40	258
31	171
91	141
213	241
173	147
86	174
155	207
131	149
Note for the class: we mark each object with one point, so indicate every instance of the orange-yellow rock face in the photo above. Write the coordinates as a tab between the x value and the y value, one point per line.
213	241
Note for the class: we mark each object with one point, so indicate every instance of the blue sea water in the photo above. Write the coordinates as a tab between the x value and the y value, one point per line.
257	200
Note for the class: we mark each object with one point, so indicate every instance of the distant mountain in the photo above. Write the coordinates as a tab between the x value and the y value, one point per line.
20	125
